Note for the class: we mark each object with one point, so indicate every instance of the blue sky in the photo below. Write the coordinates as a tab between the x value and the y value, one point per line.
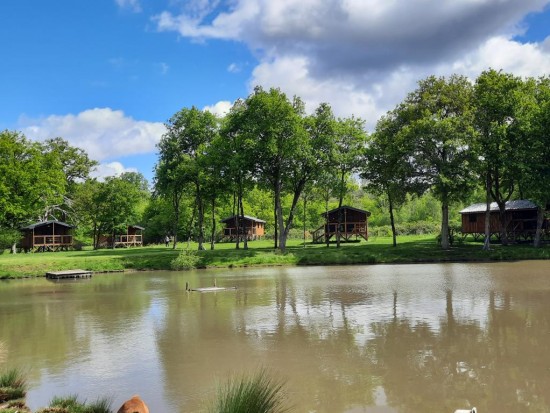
106	74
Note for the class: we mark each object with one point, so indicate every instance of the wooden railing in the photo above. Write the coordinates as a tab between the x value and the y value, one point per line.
126	240
346	230
52	240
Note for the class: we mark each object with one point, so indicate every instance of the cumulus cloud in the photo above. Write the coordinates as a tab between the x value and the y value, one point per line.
104	170
103	133
132	5
221	108
363	56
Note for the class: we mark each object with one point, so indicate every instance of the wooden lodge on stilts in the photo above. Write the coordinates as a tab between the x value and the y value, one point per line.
348	222
250	227
46	236
132	238
521	221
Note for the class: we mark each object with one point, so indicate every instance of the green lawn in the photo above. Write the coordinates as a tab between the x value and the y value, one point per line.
376	250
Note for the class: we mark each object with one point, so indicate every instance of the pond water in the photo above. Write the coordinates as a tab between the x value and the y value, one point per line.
381	338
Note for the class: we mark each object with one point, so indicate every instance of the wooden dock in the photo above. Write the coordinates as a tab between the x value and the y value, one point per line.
57	275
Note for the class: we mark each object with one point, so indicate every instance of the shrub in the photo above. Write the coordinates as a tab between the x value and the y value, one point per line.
186	260
71	404
12	385
255	394
8	237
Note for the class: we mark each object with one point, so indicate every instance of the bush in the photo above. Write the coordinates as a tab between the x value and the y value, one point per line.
71	404
256	394
8	237
186	260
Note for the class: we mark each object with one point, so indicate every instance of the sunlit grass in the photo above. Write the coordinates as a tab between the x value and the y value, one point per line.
258	393
12	385
410	249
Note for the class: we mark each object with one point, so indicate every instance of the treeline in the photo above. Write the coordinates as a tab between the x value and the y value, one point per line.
450	141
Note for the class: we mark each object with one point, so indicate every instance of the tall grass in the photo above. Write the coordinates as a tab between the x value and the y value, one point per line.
12	385
251	394
71	404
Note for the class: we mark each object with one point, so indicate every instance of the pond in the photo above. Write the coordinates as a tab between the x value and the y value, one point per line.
380	338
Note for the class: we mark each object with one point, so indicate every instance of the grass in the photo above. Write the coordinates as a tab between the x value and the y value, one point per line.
12	385
254	394
71	404
410	249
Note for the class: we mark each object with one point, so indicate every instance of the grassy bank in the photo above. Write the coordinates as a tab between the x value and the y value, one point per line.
410	249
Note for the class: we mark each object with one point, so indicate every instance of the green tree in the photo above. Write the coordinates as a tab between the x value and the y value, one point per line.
349	147
29	180
440	123
189	134
387	169
536	177
497	98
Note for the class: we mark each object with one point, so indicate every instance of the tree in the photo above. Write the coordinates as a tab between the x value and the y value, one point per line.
347	156
440	123
189	133
29	180
497	98
387	169
536	176
275	124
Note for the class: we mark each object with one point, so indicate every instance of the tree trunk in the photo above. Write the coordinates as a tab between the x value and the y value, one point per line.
487	240
14	248
340	201
275	234
305	204
540	221
502	223
326	223
392	220
213	233
200	208
245	233
176	205
445	225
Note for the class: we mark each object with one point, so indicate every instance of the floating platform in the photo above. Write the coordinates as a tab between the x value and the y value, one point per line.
58	275
208	289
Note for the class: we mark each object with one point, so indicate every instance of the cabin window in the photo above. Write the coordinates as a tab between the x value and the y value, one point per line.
472	218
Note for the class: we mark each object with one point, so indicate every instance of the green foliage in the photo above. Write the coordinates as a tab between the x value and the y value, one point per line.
8	237
258	393
12	385
71	404
186	260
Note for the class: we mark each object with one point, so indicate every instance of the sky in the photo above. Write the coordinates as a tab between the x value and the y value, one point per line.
107	74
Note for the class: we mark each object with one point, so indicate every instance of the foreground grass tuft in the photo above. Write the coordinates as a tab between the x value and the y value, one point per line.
12	385
71	404
255	394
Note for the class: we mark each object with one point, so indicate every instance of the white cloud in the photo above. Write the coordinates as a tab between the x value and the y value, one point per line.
364	56
221	108
132	5
104	170
233	68
103	133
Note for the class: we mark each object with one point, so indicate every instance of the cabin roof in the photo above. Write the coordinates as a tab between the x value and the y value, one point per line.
41	224
136	227
245	217
347	207
509	206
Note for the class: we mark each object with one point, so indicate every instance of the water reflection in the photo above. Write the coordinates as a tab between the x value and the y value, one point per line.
407	338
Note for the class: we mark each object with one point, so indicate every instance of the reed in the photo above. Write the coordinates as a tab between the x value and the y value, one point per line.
259	393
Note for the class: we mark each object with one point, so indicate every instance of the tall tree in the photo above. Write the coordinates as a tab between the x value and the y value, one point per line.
387	169
536	176
30	180
497	99
347	157
440	123
276	124
189	133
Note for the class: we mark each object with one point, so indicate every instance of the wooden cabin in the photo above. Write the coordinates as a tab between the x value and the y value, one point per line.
353	225
521	220
47	236
132	238
251	227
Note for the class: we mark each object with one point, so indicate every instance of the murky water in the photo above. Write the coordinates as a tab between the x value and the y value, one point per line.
384	338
